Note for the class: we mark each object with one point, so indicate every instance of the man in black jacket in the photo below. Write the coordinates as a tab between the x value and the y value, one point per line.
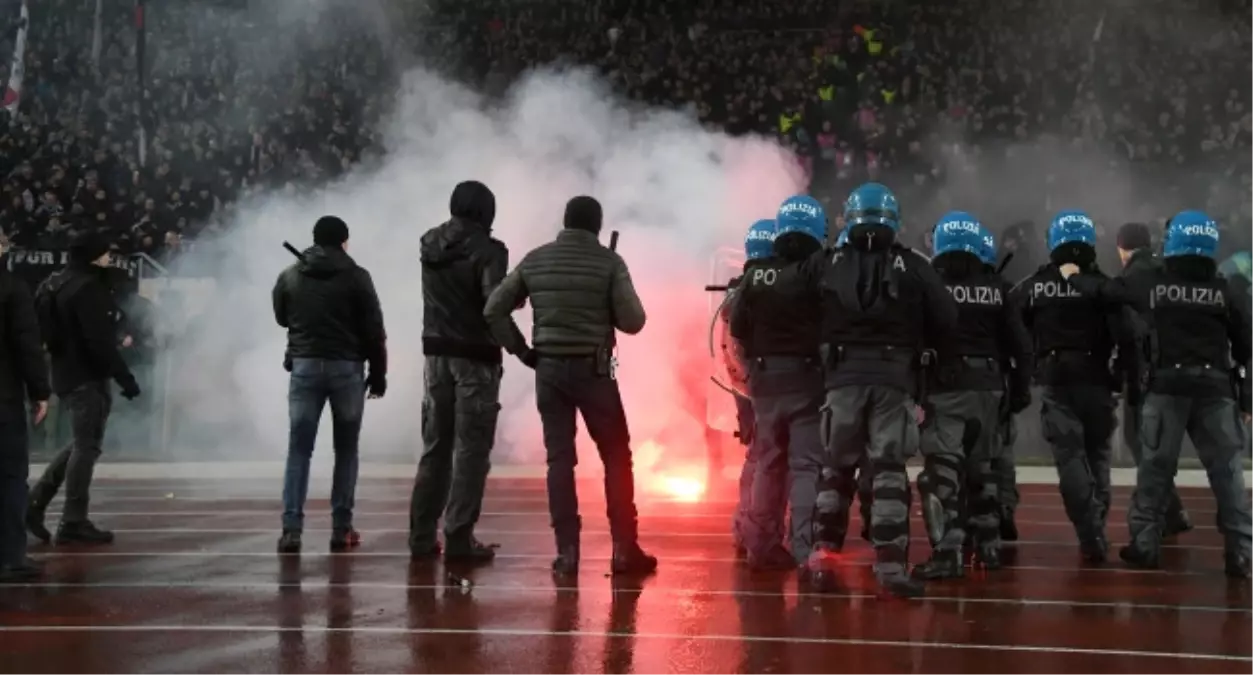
1135	250
334	326
80	331
461	265
23	375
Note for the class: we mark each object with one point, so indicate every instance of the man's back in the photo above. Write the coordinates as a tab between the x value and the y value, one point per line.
329	307
580	291
461	265
84	348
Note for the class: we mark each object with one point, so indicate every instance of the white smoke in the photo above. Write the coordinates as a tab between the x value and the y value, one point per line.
675	191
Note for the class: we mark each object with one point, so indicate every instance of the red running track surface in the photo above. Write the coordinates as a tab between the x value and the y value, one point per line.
193	585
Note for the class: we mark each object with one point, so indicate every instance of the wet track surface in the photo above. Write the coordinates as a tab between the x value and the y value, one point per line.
193	585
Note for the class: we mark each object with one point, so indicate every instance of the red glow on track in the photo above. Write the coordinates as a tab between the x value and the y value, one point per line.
664	478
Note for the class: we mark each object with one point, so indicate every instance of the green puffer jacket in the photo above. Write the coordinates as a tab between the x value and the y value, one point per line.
580	291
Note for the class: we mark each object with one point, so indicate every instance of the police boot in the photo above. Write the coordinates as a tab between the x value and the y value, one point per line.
567	561
1177	523
1009	529
1236	565
988	556
941	565
631	559
1139	558
900	586
84	532
821	571
777	559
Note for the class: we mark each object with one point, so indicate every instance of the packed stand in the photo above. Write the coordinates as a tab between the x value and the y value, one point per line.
1131	110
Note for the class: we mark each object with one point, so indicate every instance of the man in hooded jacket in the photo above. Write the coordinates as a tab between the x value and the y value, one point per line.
334	323
461	265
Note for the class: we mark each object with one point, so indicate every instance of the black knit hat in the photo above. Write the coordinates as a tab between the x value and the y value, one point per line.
330	231
1133	236
584	213
86	247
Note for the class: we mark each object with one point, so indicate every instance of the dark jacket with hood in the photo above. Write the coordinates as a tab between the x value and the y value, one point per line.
23	371
85	348
330	309
461	265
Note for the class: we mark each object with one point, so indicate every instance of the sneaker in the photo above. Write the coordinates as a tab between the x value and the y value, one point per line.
35	515
85	532
631	559
942	565
424	551
344	538
25	572
469	550
1236	565
289	542
1094	551
567	561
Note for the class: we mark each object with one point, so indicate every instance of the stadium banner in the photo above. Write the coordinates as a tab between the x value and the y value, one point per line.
35	265
17	69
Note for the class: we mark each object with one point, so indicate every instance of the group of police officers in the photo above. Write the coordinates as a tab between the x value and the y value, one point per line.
859	354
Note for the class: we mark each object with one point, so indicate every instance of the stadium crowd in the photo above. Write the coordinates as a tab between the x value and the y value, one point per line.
1005	107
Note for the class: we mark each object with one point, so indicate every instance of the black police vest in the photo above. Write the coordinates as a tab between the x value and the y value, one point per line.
1065	323
1190	320
980	302
785	316
859	309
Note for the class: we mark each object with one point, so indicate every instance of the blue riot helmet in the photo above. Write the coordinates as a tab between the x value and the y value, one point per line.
987	251
872	204
1191	233
803	214
1071	227
958	231
759	241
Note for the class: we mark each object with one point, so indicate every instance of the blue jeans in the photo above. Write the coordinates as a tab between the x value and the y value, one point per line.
313	383
14	470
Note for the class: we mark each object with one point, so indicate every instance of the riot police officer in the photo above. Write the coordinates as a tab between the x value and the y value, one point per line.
1197	328
883	310
758	246
1074	337
961	430
773	316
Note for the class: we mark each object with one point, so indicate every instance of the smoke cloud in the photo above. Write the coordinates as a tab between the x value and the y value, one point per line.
675	191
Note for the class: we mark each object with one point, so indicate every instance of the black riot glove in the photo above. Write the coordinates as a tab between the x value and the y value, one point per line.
287	362
529	358
376	384
130	389
1019	400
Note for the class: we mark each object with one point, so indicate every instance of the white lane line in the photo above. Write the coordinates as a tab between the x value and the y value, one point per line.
496	514
651	590
681	637
547	557
722	536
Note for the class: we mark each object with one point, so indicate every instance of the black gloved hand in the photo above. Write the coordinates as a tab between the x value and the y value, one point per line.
287	362
529	358
130	389
376	384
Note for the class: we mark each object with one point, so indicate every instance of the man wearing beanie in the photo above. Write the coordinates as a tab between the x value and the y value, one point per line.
581	293
461	265
334	323
78	326
1135	251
